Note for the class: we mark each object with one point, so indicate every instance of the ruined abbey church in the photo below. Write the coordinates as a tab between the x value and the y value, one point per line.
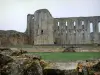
43	29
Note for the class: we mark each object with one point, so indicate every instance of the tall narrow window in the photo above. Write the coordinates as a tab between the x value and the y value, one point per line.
74	23
66	23
82	22
91	27
58	23
99	26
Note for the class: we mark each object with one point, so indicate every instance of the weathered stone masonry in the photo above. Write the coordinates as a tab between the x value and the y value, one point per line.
77	30
44	29
40	27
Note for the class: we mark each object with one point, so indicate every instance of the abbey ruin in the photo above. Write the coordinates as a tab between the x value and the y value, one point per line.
43	29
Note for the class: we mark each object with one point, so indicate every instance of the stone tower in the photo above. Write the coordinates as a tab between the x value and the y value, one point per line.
43	27
40	27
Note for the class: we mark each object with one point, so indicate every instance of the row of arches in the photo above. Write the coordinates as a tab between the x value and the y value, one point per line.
91	27
74	23
82	23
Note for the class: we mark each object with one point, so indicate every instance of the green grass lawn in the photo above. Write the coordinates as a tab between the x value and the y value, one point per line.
68	56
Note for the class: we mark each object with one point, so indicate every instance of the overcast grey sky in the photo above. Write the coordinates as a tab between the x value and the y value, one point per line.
13	13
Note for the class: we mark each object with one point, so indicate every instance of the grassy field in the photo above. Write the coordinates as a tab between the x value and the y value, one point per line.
68	56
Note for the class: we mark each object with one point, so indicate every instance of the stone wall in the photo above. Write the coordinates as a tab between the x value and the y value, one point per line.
71	30
77	30
43	29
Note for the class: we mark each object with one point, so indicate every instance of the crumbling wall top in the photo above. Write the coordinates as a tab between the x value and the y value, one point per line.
42	10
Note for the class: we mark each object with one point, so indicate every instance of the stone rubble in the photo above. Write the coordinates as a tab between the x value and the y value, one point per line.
21	63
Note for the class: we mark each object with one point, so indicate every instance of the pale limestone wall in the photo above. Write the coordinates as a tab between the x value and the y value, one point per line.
43	27
78	33
77	30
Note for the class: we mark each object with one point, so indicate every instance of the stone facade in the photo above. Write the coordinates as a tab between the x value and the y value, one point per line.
77	30
40	27
43	29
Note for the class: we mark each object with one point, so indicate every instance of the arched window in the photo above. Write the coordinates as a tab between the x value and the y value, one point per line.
82	22
58	23
74	23
66	23
99	26
91	27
